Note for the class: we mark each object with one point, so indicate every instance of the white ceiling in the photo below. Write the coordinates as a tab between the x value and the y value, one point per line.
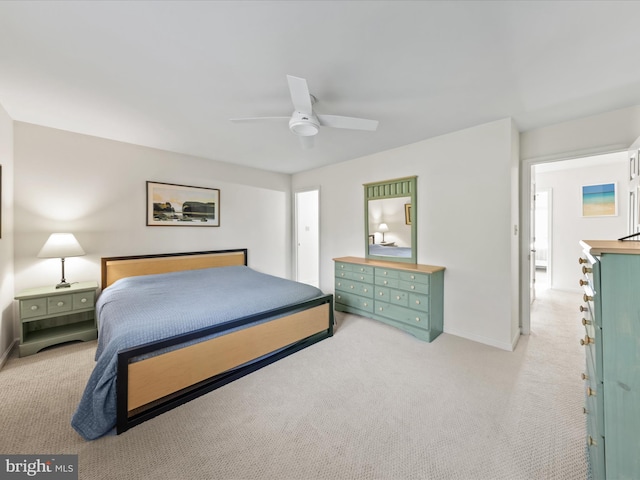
170	75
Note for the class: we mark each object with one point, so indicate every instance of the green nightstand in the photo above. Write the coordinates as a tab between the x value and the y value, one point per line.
49	316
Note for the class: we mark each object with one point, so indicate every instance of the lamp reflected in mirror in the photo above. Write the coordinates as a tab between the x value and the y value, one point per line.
383	228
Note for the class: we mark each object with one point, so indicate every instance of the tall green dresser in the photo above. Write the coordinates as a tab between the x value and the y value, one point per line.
611	316
404	295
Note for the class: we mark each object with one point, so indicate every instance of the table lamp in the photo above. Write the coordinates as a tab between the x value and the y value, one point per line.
61	245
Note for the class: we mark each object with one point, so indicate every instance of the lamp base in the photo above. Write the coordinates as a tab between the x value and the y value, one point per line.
63	285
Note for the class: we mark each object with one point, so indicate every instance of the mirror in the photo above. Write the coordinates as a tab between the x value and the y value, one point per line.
390	220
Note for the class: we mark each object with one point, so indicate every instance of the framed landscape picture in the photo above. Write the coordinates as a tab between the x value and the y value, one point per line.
182	206
599	200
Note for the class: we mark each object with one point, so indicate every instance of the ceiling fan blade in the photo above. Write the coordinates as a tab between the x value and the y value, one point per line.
337	121
258	119
300	95
307	142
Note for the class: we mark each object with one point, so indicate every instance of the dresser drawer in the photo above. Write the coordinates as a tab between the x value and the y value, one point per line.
351	267
350	286
354	301
34	307
418	301
414	287
386	273
387	281
408	316
360	277
414	277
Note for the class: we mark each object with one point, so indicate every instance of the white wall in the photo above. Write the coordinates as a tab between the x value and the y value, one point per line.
6	242
96	188
568	224
465	215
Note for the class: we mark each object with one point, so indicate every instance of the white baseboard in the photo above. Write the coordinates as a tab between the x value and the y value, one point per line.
7	353
485	340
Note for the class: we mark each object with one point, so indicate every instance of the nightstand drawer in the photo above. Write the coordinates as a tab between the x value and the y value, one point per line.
33	307
84	300
59	304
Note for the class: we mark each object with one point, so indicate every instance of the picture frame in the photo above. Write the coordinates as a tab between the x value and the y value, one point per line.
407	214
172	205
599	200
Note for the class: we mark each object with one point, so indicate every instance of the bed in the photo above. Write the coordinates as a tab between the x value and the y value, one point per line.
173	327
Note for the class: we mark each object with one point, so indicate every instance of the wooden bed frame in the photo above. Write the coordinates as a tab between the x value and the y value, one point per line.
152	386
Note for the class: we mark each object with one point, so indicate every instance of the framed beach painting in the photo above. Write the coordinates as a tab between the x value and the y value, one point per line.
599	200
182	206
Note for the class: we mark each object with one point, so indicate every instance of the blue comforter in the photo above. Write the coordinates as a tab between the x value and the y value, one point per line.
138	310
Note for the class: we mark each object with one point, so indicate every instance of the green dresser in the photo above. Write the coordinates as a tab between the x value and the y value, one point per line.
406	296
611	316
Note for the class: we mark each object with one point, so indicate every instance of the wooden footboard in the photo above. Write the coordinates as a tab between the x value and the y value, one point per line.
155	385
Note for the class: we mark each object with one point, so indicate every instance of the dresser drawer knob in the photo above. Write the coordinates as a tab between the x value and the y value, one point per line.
591	392
586	340
417	302
34	307
586	270
365	290
586	322
365	304
351	286
342	274
381	294
582	260
583	308
583	283
385	272
380	308
413	287
587	298
339	297
417	319
361	277
385	282
60	304
592	442
413	277
397	297
83	300
584	410
584	376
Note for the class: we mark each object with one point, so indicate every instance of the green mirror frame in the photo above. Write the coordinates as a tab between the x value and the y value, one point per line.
398	188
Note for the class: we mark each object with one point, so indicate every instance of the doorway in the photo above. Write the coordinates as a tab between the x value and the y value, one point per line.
307	236
542	240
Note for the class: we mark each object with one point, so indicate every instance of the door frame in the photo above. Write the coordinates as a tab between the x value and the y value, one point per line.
295	231
526	167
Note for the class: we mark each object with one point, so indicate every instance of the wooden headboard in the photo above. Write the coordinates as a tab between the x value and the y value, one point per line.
115	268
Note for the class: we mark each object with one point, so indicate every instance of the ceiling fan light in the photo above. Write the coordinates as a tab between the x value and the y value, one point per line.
303	128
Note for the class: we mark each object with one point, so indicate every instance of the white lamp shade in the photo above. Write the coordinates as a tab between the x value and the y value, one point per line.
383	228
61	245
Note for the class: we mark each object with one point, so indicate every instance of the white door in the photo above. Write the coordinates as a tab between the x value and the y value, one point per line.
307	230
532	244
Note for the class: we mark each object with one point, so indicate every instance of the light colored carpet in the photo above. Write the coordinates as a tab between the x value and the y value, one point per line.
370	403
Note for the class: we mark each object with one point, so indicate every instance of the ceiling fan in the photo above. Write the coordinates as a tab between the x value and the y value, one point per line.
304	122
